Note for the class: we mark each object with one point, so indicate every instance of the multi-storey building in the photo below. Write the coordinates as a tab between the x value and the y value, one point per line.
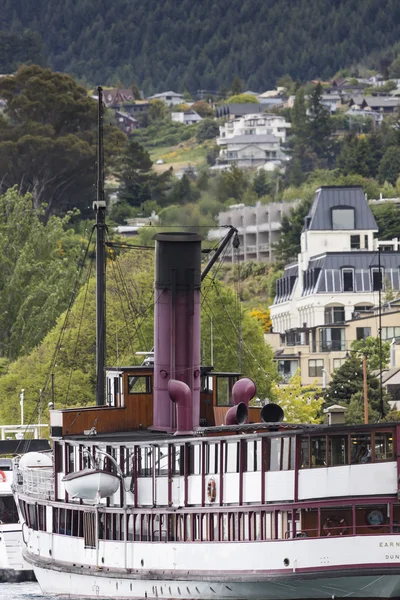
252	140
322	299
258	228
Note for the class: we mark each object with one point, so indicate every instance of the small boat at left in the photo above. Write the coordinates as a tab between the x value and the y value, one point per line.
13	567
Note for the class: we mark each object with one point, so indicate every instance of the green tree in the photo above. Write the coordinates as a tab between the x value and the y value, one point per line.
299	114
131	315
387	216
300	403
371	347
237	86
346	389
319	127
158	111
207	129
288	246
39	264
389	168
203	109
231	184
136	91
138	182
48	139
242	99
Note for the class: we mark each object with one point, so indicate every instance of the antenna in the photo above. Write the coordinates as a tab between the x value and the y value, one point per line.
381	409
100	207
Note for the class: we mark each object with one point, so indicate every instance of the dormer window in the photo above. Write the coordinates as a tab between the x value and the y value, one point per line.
343	218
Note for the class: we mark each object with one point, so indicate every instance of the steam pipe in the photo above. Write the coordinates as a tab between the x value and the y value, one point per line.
180	394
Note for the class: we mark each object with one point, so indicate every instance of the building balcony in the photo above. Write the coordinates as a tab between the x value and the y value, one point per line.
332	346
251	249
264	247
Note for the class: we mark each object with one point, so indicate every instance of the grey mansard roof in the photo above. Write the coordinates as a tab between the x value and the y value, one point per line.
326	198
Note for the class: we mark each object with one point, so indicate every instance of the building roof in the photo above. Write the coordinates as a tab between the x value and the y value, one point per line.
326	198
240	109
327	268
163	94
376	101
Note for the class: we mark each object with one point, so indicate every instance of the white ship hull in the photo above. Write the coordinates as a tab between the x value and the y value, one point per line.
67	582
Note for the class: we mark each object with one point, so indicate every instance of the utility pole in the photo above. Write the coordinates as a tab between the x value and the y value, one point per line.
365	388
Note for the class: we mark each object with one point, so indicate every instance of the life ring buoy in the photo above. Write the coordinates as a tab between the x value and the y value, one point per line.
211	490
3	477
334	526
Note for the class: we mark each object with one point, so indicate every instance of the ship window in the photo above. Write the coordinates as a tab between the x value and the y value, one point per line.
305	452
177	462
139	384
360	444
224	390
144	461
8	510
338	450
253	456
89	529
161	463
275	455
212	459
384	446
194	459
318	451
31	514
231	457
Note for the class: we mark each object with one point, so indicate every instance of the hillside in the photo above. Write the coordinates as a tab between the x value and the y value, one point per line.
189	45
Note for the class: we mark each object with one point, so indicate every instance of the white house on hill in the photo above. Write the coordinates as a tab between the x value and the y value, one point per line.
252	140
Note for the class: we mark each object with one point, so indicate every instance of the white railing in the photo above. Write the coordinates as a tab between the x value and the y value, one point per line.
37	482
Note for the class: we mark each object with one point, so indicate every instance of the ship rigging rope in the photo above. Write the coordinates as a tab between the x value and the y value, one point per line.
24	443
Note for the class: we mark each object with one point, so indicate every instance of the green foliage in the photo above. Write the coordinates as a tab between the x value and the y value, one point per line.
139	183
242	99
371	347
203	109
158	111
346	389
387	216
232	184
132	318
288	246
39	265
48	142
300	403
19	48
164	133
389	168
206	130
237	86
200	46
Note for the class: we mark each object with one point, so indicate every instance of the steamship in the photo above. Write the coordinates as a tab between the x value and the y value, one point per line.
174	487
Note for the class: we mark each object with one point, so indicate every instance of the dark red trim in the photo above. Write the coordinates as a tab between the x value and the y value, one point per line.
222	448
134	475
203	473
66	469
186	475
264	451
297	456
169	468
242	451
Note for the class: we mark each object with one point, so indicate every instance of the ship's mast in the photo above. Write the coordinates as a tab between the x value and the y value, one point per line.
100	209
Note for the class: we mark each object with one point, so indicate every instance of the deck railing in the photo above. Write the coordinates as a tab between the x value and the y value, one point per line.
37	482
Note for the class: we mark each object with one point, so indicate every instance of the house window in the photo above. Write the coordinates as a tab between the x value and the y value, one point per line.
343	218
315	367
334	314
338	362
388	333
363	332
376	279
332	339
355	242
366	242
348	280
